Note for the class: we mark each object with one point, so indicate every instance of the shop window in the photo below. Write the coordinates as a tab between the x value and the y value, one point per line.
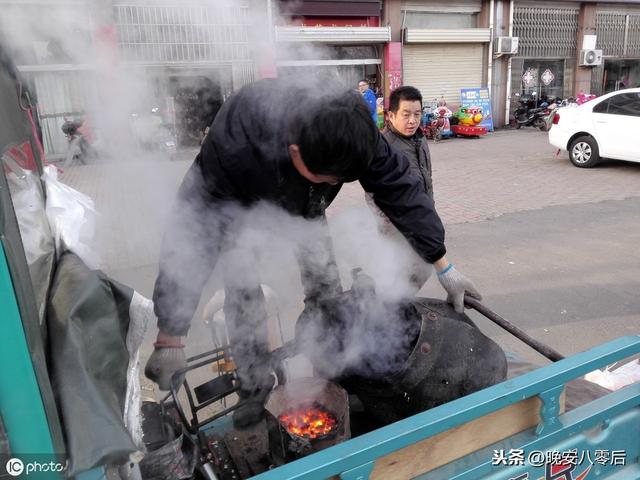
622	104
545	78
620	74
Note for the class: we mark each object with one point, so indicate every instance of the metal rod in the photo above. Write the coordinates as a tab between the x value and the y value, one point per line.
548	352
218	351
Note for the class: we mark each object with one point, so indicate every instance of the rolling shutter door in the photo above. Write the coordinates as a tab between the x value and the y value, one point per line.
442	69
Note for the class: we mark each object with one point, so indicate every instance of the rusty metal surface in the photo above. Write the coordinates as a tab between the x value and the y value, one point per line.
249	449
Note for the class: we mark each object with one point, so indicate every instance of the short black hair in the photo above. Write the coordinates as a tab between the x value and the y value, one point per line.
336	135
406	93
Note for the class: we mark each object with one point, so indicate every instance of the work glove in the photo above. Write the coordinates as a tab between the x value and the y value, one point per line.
456	285
163	363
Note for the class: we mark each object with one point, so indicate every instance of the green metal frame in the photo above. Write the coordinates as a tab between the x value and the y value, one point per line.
616	416
21	405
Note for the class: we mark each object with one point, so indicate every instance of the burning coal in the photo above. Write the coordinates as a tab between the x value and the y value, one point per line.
310	421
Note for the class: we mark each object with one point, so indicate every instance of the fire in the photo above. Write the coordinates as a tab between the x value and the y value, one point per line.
310	422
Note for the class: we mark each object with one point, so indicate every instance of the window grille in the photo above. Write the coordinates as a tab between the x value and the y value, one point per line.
186	33
633	37
610	29
546	32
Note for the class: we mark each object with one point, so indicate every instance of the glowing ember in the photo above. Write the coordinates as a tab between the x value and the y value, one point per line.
310	422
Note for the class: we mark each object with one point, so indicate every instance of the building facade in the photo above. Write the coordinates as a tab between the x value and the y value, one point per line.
552	37
182	58
191	55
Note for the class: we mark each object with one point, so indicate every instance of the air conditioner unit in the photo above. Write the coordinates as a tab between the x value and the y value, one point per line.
590	58
507	45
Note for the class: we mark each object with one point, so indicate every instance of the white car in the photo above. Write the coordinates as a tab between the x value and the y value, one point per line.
606	127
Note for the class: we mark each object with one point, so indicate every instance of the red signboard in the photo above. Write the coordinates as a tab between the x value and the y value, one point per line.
335	21
392	68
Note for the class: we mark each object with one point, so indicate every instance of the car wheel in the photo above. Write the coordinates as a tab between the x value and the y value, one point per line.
583	152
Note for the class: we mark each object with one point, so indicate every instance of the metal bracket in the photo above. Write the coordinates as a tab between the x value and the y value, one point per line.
549	410
359	473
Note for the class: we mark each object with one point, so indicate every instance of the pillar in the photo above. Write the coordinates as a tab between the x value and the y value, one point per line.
586	26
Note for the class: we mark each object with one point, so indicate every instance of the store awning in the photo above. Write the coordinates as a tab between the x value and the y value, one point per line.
334	35
453	35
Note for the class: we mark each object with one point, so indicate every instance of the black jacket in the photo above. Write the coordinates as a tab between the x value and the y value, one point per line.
244	159
416	150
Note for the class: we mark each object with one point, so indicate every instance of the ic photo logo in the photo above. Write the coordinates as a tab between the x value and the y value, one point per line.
15	467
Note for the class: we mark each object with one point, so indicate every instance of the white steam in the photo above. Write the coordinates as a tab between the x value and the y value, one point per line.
269	237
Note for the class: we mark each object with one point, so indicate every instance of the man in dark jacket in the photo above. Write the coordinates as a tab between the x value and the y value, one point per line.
404	135
278	142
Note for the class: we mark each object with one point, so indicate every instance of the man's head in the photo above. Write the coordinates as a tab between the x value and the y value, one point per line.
332	139
363	85
405	110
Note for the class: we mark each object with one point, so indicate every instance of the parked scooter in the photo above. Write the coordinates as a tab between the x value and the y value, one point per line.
528	113
80	150
549	113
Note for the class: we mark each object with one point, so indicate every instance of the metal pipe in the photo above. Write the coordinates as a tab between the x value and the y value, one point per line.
541	348
490	56
507	106
208	471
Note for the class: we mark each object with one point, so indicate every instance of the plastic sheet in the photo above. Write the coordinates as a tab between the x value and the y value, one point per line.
88	321
29	206
615	378
72	218
140	314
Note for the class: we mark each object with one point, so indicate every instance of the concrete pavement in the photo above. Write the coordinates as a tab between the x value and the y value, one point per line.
513	171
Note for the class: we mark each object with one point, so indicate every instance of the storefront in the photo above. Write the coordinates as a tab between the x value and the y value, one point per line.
444	48
544	78
547	52
620	73
618	36
342	41
441	70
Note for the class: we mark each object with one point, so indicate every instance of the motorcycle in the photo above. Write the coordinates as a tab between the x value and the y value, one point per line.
80	150
529	113
548	114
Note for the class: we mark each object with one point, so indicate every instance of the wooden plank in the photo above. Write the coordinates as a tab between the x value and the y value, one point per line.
445	447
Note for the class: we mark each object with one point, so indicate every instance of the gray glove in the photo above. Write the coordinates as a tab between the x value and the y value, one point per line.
456	285
163	363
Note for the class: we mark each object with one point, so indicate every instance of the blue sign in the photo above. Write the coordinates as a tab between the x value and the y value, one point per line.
478	97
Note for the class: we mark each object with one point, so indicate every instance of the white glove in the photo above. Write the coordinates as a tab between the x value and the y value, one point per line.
456	285
163	363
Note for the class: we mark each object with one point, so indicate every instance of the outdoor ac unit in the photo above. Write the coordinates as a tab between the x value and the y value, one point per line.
507	45
590	58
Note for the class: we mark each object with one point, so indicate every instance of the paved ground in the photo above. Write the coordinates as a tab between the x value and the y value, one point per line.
513	171
552	247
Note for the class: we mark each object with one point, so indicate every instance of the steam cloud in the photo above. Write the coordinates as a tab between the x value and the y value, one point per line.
269	236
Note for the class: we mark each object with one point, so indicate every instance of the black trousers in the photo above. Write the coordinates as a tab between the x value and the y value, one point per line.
245	305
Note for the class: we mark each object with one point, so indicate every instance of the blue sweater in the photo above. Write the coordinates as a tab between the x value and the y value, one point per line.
370	98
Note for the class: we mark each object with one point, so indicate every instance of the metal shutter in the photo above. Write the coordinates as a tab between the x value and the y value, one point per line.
442	70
